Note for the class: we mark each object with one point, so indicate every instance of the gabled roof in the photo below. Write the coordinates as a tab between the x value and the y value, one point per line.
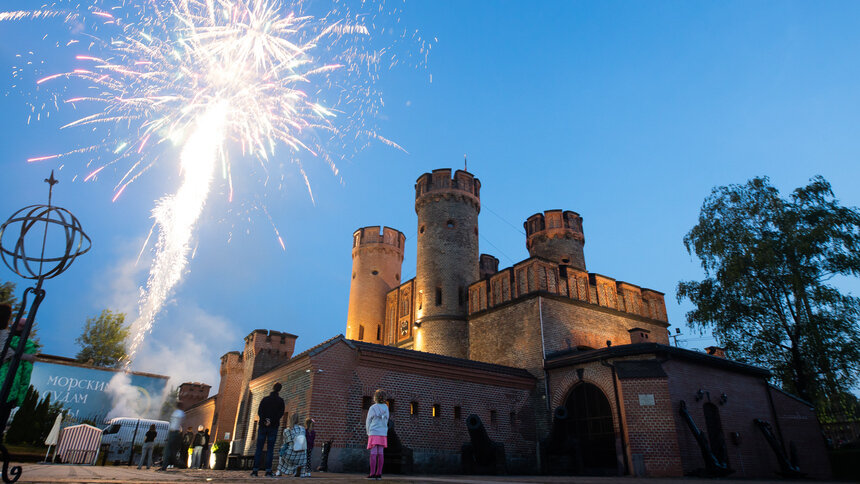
572	357
447	360
411	361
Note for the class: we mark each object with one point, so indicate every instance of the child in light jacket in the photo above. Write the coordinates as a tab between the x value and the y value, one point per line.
377	433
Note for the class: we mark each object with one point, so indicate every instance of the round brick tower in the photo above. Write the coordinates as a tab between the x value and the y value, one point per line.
376	261
557	236
447	259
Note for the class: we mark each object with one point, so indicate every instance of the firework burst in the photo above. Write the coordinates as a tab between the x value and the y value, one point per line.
200	74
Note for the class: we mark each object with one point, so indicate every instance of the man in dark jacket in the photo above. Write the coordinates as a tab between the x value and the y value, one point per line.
187	442
205	462
270	411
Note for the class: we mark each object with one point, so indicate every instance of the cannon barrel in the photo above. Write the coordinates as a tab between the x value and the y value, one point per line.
558	433
481	455
481	442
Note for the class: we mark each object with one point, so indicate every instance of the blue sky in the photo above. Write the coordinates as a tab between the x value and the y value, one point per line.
626	112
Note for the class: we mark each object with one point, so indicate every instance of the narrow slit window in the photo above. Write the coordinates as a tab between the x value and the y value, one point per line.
438	296
413	408
436	410
457	412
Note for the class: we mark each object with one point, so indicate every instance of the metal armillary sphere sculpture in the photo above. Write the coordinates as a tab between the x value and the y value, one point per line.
15	234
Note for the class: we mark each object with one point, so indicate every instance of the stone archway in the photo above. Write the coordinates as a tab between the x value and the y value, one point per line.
590	428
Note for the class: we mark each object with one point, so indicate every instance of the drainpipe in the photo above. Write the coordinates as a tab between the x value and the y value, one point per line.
545	376
543	351
624	446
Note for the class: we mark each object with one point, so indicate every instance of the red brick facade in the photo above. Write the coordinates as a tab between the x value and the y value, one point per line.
653	429
571	371
333	381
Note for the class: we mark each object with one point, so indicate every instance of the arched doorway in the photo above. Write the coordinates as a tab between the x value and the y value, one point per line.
714	425
590	429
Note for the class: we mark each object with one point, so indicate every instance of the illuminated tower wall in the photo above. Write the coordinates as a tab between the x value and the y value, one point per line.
447	259
376	261
557	236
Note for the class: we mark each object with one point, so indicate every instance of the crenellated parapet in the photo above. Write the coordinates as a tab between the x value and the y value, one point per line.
538	275
488	265
377	257
556	235
191	393
231	361
371	238
263	340
265	349
440	185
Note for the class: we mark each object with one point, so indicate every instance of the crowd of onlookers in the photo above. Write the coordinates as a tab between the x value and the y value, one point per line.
294	455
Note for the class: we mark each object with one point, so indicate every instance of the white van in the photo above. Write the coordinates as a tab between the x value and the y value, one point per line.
121	430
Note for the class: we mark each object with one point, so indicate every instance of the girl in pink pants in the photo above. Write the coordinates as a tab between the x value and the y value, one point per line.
377	433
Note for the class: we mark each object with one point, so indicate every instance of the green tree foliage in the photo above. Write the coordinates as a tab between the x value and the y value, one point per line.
33	421
768	262
103	340
7	295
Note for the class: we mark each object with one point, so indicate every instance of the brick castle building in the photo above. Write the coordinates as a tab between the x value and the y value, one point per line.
566	371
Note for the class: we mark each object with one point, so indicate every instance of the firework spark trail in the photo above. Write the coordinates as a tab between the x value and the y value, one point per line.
200	73
176	216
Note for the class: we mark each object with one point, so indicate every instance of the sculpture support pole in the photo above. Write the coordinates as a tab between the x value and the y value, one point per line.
16	259
11	371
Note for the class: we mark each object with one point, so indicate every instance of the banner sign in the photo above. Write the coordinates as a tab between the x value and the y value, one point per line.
85	391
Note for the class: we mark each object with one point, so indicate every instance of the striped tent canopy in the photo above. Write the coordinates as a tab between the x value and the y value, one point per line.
79	444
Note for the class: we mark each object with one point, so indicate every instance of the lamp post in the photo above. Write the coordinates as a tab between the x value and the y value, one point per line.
14	235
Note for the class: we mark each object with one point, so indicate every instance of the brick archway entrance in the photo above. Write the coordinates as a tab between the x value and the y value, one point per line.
589	424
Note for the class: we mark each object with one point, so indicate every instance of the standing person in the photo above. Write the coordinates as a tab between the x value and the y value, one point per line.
311	435
294	452
174	431
197	455
21	379
5	316
270	411
148	444
205	462
377	433
187	443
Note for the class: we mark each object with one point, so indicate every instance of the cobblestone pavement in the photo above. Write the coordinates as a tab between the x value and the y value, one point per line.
76	473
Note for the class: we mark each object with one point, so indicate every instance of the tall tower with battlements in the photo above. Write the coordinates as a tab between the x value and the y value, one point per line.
377	258
447	259
556	235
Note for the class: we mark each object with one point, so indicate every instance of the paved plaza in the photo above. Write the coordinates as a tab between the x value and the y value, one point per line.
78	473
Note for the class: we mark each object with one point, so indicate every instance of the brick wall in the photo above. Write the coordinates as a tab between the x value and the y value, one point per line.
229	393
190	393
557	236
511	333
295	391
376	262
446	258
746	399
201	414
334	397
795	422
651	430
